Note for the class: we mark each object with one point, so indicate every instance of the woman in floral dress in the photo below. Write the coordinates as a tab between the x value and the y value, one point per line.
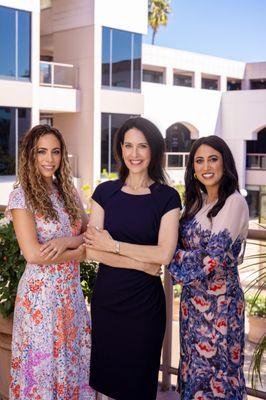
51	333
213	230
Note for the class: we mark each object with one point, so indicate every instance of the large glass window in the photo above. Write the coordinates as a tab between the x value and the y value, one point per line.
15	43
110	124
7	42
121	59
24	44
14	122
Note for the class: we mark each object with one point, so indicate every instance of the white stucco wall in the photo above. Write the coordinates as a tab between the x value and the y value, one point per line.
166	105
120	14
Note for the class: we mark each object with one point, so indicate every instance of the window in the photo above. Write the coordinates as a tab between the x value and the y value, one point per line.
15	44
256	152
233	84
209	83
14	122
258	84
181	79
110	124
152	76
121	59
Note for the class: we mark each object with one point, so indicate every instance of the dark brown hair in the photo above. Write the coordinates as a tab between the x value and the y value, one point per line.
157	146
194	188
32	182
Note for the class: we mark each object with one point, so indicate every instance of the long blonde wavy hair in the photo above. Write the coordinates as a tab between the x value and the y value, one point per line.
33	183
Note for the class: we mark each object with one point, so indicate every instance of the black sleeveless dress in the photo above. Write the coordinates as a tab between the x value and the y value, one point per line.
128	306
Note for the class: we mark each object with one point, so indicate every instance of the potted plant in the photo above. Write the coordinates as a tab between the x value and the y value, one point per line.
176	302
12	266
256	317
257	309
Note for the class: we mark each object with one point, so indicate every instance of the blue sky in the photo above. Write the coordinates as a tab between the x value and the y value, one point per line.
234	29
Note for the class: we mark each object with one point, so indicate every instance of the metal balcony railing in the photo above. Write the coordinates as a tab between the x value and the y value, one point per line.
176	160
58	75
256	161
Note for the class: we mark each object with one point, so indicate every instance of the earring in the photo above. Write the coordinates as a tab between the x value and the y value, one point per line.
195	175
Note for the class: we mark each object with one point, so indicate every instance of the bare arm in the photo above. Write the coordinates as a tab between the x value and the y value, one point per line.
111	259
26	234
55	247
159	254
118	261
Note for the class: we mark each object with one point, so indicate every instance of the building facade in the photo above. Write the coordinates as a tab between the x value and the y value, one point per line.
81	66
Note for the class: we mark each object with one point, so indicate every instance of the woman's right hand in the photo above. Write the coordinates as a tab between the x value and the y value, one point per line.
81	253
152	269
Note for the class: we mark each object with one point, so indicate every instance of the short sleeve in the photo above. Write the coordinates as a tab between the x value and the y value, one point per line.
16	201
172	201
104	191
166	198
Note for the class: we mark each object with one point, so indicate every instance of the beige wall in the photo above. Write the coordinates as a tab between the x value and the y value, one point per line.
15	93
59	99
75	46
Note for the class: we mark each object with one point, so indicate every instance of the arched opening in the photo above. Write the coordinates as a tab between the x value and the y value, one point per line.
179	139
256	166
256	151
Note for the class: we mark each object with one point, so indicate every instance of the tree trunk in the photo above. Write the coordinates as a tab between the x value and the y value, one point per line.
153	36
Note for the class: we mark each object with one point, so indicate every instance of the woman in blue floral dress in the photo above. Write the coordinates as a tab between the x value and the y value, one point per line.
213	230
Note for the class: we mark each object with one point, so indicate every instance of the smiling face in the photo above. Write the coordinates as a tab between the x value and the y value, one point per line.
208	166
136	151
48	156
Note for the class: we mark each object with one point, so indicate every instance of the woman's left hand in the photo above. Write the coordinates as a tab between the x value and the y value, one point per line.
54	248
99	239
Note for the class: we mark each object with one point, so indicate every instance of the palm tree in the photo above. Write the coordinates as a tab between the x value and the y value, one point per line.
158	14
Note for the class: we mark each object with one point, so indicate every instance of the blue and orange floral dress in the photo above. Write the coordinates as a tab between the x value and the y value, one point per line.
51	333
212	302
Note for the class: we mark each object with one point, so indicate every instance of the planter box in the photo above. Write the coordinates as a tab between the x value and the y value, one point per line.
176	306
5	354
257	328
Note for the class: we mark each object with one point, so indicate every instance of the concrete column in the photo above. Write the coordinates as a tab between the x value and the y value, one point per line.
245	85
35	67
197	80
169	76
223	83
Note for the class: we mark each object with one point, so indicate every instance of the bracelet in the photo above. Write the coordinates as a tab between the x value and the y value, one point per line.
117	247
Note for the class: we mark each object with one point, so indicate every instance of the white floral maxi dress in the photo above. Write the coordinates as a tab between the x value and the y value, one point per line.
212	303
51	333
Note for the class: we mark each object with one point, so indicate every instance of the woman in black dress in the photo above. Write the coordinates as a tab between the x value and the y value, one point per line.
139	214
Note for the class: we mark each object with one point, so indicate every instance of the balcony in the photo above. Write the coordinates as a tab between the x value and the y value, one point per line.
174	160
58	87
256	161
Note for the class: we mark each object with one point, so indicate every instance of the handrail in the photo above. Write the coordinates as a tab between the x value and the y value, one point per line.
256	154
54	74
178	156
59	64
